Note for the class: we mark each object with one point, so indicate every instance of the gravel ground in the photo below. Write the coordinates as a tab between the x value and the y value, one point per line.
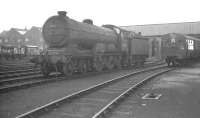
20	101
180	97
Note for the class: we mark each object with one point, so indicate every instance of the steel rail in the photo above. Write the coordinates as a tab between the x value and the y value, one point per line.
39	79
18	71
17	65
33	75
13	69
44	108
110	105
7	77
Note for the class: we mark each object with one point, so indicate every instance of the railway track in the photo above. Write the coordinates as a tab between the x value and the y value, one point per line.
5	68
17	64
13	80
35	78
111	111
18	73
97	100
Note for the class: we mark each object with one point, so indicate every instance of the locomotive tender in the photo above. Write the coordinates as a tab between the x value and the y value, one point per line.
81	46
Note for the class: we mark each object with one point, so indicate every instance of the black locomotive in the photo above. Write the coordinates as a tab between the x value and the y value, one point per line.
81	46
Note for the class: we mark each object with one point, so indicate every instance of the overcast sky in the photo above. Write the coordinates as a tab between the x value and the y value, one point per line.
27	13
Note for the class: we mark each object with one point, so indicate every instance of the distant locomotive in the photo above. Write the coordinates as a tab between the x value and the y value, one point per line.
81	46
179	48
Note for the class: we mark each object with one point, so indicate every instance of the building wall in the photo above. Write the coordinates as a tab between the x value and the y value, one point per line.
34	37
14	37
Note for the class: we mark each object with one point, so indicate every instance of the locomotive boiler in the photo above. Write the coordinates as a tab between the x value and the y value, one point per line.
61	31
81	46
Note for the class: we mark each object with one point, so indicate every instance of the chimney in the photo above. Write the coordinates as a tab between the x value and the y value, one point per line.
88	21
62	13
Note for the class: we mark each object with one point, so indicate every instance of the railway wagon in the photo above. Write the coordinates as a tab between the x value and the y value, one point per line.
179	48
74	46
12	52
6	51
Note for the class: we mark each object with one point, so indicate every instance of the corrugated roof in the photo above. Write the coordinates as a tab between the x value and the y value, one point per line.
178	36
161	29
192	38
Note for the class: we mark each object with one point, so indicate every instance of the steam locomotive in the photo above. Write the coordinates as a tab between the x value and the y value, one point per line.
81	47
